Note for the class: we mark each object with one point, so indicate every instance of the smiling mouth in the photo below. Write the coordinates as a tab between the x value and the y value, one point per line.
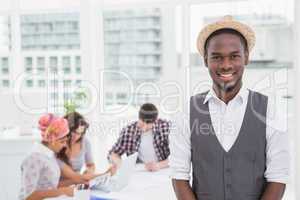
226	75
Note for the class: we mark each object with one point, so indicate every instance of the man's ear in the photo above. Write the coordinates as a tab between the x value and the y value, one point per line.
205	60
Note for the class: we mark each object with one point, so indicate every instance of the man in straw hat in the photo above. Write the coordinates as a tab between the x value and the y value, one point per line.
236	148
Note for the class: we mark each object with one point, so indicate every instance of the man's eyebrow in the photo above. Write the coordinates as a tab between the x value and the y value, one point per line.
235	52
218	53
215	53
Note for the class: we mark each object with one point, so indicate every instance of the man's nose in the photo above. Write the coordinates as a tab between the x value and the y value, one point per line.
226	64
65	144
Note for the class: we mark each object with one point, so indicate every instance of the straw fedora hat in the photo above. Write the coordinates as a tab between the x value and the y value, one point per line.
226	22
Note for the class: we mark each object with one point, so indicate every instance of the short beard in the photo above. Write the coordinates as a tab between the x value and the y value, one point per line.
228	87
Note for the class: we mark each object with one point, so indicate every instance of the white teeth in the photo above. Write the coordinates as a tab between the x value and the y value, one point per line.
226	75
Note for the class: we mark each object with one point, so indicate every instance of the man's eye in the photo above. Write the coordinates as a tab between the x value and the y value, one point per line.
216	57
235	56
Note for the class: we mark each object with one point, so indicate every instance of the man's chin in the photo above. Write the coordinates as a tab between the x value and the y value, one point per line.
227	87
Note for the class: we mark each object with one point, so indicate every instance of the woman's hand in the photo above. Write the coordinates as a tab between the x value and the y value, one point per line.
89	176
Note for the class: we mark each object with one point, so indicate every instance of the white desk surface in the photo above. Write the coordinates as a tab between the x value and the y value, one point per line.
143	185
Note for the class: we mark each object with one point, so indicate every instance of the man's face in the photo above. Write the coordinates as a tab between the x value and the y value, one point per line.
225	60
145	126
59	144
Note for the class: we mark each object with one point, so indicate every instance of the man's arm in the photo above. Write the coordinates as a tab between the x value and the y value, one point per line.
71	177
163	164
118	149
180	157
115	159
155	166
277	155
273	191
183	190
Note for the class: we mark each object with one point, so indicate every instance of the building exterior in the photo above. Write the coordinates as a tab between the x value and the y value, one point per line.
133	50
50	45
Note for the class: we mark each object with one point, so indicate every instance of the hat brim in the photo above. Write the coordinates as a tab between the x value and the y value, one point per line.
245	30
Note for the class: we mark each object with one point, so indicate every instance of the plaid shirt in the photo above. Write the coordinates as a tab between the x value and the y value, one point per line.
130	139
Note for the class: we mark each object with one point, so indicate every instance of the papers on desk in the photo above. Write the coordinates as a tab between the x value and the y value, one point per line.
100	182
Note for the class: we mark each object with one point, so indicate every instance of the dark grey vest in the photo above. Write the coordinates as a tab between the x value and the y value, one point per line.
239	173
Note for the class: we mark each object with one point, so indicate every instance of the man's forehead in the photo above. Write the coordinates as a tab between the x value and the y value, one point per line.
225	42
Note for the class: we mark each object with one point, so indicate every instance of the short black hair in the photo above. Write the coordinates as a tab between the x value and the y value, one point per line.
226	30
148	113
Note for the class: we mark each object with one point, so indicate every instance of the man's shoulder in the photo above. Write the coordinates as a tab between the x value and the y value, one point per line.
258	93
258	97
163	122
130	128
200	95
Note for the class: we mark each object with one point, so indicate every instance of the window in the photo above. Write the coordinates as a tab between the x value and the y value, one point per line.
5	70
78	70
29	83
67	96
67	83
28	69
40	62
28	62
121	96
40	69
5	62
53	61
54	83
130	38
54	95
67	70
42	83
5	83
66	61
109	95
53	69
77	61
78	82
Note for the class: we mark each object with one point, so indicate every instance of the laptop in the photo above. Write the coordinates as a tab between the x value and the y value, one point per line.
117	182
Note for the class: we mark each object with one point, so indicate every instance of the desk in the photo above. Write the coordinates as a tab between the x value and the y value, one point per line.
143	185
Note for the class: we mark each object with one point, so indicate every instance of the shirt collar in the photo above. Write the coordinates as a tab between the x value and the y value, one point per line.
40	148
241	95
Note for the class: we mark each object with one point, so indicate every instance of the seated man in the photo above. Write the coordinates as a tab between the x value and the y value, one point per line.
149	136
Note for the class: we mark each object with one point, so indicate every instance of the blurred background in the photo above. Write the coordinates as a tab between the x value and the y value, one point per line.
104	58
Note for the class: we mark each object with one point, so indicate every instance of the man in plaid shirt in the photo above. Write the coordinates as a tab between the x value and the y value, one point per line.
149	136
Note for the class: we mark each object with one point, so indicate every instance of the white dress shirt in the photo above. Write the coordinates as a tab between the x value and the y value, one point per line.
227	121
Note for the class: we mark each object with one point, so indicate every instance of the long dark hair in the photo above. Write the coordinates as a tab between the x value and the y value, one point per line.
62	155
74	121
